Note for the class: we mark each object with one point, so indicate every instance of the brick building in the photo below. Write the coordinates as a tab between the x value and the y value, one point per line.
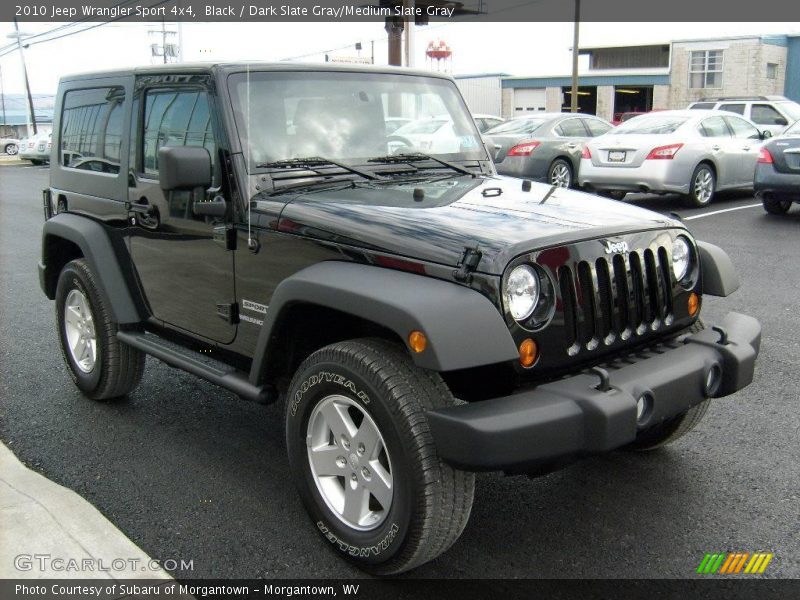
666	75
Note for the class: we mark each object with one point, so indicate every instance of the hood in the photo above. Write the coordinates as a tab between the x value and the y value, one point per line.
458	212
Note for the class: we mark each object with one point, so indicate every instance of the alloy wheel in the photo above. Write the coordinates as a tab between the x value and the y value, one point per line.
349	462
79	330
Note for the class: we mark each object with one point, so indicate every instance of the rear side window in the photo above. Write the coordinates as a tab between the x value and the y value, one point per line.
571	128
735	108
714	127
702	105
596	127
91	129
175	118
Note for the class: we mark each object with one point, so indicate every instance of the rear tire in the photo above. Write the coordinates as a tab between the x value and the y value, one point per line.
363	458
775	206
560	174
668	431
702	186
35	161
100	365
10	149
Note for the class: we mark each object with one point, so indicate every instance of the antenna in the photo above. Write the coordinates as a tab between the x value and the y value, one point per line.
250	242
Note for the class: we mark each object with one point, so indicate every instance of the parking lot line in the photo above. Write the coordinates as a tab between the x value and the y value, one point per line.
716	212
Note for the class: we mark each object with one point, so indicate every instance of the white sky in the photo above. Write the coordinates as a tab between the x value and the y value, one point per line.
515	48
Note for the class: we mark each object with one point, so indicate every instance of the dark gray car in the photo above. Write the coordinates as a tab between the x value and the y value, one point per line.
545	146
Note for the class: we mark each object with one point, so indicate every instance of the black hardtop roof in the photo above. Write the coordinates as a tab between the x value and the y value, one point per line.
233	67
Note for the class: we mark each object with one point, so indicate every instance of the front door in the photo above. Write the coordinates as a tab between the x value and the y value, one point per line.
181	259
748	145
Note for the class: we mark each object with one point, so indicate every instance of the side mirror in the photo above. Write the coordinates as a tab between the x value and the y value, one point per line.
184	167
766	134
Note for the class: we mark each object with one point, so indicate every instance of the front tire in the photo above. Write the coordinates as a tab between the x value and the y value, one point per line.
702	186
668	431
363	458
560	173
100	365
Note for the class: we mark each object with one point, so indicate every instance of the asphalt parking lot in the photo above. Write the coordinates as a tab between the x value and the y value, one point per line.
189	472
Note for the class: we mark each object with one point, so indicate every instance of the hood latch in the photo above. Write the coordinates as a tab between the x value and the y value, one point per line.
468	264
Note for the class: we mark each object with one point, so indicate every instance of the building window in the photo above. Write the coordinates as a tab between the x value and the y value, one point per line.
772	71
705	69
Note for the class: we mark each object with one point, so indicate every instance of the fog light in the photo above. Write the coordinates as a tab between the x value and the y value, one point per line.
528	352
694	304
713	380
644	405
417	341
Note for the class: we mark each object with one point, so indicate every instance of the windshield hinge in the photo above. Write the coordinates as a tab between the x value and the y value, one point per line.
468	264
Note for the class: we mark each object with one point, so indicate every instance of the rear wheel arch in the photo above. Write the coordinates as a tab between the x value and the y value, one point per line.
56	253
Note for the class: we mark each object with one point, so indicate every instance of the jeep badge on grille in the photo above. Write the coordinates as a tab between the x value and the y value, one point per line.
616	247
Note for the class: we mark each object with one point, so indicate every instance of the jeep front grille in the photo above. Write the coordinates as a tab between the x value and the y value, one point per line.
617	296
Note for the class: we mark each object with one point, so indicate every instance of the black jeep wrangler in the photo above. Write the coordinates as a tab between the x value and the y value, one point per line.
271	229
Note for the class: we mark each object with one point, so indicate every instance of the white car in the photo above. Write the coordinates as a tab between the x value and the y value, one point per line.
486	122
9	145
690	152
36	148
769	113
436	136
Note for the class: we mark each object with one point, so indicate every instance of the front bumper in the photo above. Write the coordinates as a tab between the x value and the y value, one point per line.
573	417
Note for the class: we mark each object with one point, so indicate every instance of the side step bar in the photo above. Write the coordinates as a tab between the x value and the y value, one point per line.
226	377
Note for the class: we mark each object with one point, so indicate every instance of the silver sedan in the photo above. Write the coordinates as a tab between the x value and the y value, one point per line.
544	146
690	152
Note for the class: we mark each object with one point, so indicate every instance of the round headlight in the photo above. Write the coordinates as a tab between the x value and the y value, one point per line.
521	292
681	258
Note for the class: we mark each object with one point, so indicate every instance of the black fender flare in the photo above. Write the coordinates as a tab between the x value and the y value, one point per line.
717	270
463	327
98	250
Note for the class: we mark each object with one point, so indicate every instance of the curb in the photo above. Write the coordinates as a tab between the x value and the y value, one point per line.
42	518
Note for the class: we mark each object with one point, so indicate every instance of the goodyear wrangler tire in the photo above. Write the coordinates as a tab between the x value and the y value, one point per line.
364	460
100	365
672	429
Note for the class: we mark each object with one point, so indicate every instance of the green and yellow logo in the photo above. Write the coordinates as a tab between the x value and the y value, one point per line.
734	563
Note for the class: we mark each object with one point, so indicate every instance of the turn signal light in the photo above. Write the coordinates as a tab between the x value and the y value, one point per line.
528	352
524	149
664	152
417	341
764	157
694	304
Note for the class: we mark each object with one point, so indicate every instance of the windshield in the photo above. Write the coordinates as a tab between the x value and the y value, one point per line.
349	117
791	110
516	126
649	125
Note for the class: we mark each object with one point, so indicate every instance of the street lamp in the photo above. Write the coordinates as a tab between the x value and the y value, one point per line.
31	115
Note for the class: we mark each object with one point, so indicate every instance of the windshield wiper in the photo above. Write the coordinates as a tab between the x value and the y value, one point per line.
413	157
311	163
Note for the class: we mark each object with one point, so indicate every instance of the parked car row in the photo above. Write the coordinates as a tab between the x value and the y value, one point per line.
693	152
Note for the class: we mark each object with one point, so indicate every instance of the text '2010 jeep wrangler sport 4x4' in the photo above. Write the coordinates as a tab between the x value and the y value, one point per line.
421	317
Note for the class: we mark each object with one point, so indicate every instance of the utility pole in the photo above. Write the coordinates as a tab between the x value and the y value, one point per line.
2	103
408	5
573	104
31	113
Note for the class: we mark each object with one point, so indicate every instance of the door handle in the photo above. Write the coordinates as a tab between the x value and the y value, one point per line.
572	145
715	148
745	148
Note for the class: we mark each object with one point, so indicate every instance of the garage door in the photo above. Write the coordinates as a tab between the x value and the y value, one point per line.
527	100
